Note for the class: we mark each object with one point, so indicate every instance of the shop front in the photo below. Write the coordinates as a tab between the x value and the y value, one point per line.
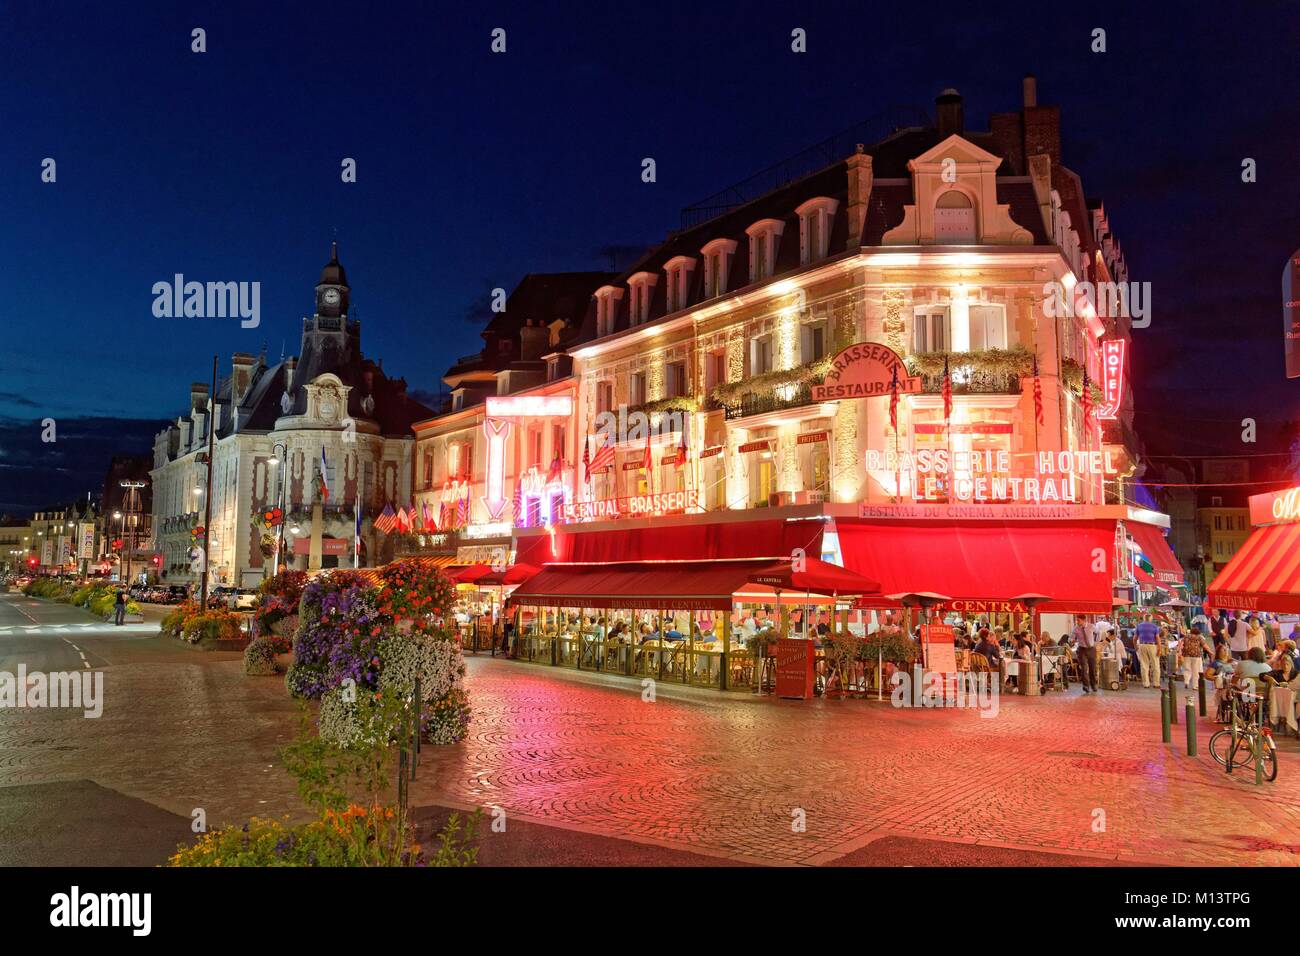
1264	574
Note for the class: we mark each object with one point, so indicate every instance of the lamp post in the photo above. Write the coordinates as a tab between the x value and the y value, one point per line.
279	453
207	516
132	505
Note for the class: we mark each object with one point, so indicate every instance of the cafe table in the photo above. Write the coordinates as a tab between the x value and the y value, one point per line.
1282	707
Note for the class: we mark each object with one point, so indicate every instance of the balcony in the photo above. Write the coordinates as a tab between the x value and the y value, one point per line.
972	381
783	397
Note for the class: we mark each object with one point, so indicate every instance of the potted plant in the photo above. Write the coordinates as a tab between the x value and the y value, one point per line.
890	648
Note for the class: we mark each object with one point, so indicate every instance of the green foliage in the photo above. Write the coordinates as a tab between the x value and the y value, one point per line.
731	393
893	646
1017	360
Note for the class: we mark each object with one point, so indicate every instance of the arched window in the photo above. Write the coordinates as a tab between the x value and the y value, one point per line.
954	219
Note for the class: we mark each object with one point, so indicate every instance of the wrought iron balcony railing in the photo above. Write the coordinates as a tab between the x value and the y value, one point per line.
970	381
783	397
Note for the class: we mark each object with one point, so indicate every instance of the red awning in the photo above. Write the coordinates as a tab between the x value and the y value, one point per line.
1155	546
471	574
511	576
815	576
987	561
1264	575
715	541
707	585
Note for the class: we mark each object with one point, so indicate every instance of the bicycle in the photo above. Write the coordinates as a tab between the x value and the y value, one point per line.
1253	738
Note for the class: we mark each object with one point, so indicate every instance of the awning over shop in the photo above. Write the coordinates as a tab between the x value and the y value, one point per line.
1264	575
715	541
511	576
706	586
470	574
1166	569
987	561
688	586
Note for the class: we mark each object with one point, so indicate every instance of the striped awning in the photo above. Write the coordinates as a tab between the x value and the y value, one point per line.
1264	575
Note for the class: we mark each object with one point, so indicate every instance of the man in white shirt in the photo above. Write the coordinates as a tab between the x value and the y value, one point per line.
1238	633
1100	628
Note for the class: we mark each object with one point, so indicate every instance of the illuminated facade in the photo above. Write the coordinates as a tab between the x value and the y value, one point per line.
711	358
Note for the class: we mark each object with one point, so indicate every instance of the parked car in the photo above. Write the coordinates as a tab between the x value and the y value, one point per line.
175	594
245	599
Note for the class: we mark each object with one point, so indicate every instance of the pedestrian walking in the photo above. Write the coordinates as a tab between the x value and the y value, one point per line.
1148	648
119	608
1192	647
1238	638
1087	656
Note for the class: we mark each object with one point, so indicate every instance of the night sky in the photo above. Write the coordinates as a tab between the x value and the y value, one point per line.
475	169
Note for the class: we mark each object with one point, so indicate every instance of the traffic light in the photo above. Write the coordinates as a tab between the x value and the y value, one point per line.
157	560
31	561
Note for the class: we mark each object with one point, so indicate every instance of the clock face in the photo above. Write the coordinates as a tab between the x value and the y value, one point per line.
331	296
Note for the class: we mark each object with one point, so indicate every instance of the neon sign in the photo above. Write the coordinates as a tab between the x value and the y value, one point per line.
665	502
495	499
1275	507
529	406
1112	378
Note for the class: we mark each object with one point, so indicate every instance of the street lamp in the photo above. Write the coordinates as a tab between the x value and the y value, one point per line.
279	451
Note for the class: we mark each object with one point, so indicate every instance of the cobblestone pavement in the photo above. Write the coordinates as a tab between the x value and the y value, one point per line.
725	775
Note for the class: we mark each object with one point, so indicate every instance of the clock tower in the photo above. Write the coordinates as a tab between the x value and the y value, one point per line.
332	289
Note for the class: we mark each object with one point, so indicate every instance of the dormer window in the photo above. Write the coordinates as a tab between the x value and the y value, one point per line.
815	218
607	299
954	219
641	286
717	266
552	369
678	271
763	237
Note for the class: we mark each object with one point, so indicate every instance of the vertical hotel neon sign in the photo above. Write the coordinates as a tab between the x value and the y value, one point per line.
496	432
1112	378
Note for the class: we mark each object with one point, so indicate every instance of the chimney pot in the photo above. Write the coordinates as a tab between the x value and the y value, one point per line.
1030	88
948	113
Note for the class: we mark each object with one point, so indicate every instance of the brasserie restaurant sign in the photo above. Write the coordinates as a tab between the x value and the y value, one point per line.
1275	507
864	370
636	506
986	476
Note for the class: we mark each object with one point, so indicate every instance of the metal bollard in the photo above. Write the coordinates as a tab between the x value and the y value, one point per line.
1191	727
1259	753
1173	700
1232	745
1166	735
1200	691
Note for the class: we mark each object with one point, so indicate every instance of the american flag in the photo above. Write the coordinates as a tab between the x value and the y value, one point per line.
647	462
412	518
1087	400
556	471
586	462
442	515
1038	394
427	519
386	521
946	390
604	457
462	509
893	400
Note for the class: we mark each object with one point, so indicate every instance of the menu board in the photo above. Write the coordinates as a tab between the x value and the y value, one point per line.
794	668
940	653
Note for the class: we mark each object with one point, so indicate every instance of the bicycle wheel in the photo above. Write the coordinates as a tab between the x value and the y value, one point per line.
1221	740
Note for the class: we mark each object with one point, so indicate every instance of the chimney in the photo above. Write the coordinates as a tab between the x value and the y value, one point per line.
241	376
860	180
1029	85
948	113
534	340
198	397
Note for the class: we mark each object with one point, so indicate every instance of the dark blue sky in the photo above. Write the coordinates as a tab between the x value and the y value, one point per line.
476	168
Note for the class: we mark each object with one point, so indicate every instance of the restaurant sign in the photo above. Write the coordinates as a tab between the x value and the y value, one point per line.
865	370
635	506
1275	507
